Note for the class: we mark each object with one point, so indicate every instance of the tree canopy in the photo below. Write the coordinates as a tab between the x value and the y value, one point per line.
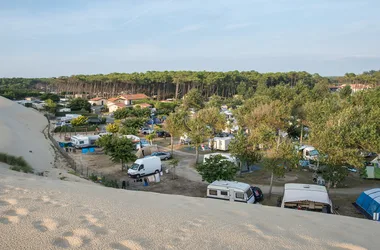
217	167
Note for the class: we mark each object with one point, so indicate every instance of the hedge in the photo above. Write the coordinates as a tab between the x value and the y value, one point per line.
16	163
75	129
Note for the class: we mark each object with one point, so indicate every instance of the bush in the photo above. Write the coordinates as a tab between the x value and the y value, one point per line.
76	129
16	163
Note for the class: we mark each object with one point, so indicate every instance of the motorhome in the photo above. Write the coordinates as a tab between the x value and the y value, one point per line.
306	197
231	191
80	141
145	166
69	117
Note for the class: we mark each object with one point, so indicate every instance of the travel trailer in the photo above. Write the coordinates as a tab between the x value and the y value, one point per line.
306	197
220	143
80	141
231	191
145	166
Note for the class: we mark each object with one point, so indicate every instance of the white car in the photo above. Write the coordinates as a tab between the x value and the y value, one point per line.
147	131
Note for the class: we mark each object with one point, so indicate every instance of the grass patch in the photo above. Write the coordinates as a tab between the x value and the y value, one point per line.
72	172
17	163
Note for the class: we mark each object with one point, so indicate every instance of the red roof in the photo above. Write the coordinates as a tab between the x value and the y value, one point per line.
113	99
120	105
135	97
96	99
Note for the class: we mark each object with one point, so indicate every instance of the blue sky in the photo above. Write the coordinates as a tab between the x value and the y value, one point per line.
44	38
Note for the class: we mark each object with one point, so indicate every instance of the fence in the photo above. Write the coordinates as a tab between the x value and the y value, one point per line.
78	168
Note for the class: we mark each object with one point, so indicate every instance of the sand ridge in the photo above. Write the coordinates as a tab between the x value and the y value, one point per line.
93	217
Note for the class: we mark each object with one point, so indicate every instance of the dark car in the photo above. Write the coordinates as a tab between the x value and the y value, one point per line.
162	134
259	196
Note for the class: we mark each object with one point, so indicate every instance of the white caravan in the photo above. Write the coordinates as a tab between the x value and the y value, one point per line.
309	153
145	166
220	143
231	191
80	141
306	197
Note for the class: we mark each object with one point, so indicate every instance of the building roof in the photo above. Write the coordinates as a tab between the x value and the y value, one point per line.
96	99
357	86
120	105
135	97
305	192
113	99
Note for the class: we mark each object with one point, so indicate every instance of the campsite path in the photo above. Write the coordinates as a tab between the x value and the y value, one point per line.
186	161
186	170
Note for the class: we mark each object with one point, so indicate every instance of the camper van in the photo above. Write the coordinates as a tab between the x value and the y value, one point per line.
306	197
231	191
80	141
309	153
145	166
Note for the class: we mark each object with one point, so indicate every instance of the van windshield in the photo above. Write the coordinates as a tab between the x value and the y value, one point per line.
249	193
135	166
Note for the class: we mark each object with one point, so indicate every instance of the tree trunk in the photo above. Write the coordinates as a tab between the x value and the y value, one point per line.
271	184
122	165
176	91
196	154
301	137
172	143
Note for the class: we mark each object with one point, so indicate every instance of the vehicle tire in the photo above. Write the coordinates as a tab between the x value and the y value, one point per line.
138	176
157	171
166	159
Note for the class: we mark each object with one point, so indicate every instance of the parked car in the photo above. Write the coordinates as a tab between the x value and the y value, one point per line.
162	155
162	134
147	131
351	169
259	196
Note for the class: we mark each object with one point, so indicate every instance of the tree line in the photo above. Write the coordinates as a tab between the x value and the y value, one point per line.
175	84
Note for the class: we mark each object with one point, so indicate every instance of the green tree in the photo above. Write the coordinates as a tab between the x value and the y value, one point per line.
193	99
215	101
150	138
243	150
79	121
120	149
113	128
174	124
345	92
80	104
217	167
49	96
266	124
50	105
241	89
130	126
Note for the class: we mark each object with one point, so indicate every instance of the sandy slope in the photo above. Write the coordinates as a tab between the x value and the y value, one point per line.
39	213
21	131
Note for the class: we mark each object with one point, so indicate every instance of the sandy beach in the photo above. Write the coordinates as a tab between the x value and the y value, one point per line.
48	213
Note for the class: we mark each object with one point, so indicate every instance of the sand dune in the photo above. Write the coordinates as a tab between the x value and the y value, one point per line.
39	213
48	213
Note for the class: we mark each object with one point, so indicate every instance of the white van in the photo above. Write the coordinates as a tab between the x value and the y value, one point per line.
231	191
145	166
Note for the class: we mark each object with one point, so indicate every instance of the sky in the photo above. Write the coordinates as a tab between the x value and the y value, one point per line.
45	38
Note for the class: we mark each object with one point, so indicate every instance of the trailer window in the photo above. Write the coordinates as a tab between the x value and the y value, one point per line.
225	193
81	142
239	195
212	192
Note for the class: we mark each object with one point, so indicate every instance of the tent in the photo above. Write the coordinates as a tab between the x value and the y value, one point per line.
369	202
